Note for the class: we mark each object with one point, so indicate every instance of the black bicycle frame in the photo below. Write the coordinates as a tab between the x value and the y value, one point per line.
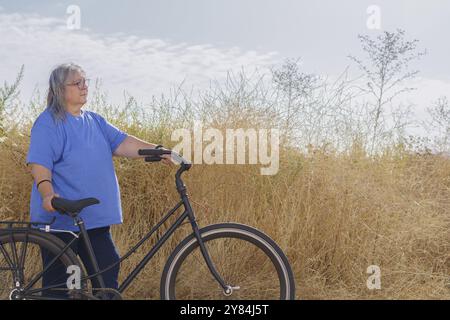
188	213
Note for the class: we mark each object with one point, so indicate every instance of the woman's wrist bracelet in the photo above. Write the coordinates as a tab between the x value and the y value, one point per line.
37	186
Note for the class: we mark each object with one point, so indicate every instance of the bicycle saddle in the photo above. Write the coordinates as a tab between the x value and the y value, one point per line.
72	207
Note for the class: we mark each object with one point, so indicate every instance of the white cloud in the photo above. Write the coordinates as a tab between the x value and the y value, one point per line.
141	66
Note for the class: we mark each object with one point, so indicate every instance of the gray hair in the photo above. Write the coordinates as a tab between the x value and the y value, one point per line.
55	98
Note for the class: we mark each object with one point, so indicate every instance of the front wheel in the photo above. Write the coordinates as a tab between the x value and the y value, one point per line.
247	260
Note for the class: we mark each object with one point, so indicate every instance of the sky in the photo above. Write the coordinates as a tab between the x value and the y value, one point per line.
147	47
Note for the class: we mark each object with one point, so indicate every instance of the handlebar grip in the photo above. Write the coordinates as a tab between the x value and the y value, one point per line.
153	152
153	159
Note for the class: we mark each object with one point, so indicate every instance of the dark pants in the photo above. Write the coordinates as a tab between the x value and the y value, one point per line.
104	249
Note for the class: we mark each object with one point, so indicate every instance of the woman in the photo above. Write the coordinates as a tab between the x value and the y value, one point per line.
70	155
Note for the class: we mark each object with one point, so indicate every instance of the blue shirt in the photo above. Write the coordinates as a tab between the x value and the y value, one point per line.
78	151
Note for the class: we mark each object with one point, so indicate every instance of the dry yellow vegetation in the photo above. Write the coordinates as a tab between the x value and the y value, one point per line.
333	213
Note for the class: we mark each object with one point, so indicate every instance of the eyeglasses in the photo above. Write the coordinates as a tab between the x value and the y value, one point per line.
80	83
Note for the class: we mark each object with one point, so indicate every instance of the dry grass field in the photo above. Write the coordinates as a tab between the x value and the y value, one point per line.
333	213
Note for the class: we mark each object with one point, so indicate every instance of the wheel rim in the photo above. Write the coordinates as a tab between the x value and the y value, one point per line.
259	272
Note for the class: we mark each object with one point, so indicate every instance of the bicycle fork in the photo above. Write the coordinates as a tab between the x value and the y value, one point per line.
227	289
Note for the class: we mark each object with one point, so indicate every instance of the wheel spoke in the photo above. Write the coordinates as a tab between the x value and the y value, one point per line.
6	256
22	257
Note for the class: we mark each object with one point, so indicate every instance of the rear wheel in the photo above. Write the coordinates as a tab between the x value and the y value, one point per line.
21	254
248	261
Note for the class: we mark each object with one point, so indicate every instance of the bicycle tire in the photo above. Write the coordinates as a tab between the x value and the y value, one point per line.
40	239
227	231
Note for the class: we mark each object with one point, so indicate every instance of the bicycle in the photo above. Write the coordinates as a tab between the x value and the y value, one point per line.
225	260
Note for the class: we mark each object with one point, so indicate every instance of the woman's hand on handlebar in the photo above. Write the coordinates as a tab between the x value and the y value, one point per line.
168	157
167	160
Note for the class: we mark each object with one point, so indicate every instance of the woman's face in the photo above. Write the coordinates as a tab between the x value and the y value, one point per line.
76	89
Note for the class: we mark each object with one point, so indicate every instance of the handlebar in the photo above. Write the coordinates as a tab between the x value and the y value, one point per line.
154	155
153	152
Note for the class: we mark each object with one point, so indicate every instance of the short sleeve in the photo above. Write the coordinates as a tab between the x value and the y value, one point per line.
114	135
45	146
